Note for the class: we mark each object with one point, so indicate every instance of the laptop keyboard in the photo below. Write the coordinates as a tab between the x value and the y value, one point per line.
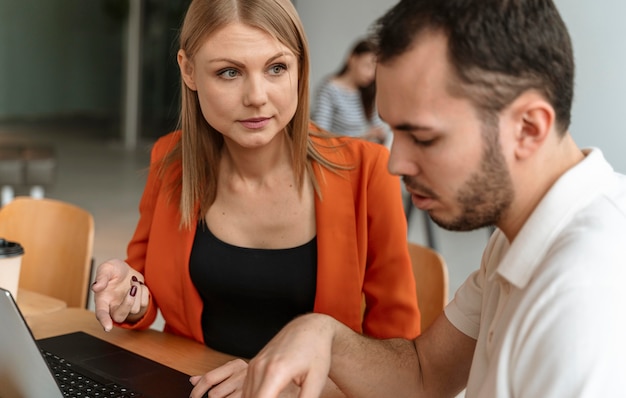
75	383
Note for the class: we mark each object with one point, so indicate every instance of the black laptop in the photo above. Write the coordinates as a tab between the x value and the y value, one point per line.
76	365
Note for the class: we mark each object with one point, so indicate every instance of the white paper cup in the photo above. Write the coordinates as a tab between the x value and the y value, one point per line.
10	264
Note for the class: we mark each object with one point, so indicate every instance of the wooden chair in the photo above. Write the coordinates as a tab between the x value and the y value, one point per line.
431	282
57	238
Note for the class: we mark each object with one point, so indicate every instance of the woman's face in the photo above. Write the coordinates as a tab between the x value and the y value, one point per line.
247	83
363	68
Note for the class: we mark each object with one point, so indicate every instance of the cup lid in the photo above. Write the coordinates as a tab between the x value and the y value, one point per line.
10	249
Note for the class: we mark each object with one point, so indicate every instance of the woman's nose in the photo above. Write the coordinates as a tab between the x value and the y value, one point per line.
255	91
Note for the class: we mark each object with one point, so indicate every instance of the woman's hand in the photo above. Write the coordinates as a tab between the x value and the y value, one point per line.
227	381
120	294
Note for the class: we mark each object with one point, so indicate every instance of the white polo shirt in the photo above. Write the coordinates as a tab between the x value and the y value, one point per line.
549	310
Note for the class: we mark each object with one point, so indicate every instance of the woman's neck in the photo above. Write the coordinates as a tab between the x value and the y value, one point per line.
256	164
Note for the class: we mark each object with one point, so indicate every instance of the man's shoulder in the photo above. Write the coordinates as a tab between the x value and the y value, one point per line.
592	246
616	195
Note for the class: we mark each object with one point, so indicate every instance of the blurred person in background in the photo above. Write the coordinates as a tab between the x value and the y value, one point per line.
345	102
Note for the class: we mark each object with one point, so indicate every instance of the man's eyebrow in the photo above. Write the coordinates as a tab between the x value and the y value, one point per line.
410	127
405	126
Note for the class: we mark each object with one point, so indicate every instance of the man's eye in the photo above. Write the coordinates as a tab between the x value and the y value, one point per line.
421	142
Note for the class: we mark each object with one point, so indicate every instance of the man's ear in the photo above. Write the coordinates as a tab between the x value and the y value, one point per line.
186	70
533	120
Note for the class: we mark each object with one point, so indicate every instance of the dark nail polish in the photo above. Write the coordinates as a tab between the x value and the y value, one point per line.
134	278
133	291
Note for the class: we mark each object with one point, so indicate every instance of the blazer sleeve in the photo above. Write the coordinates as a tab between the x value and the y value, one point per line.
138	245
388	286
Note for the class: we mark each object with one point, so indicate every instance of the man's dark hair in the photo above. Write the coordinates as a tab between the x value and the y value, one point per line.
498	48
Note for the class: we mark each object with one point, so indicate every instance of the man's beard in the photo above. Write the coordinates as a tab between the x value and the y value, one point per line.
486	195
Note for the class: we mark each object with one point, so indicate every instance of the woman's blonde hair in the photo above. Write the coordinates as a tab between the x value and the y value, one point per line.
198	152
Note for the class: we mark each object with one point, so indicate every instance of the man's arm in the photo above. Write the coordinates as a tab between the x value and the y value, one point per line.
311	347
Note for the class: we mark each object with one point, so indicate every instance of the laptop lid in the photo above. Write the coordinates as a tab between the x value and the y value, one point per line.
24	372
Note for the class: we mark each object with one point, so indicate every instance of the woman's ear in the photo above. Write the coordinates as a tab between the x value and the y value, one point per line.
186	70
533	120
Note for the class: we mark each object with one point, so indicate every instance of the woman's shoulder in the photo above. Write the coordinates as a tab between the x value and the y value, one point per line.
166	143
169	138
364	149
351	149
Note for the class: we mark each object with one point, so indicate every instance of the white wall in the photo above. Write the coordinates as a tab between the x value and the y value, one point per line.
599	36
332	26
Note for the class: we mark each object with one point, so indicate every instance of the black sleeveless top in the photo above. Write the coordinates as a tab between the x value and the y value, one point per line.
250	294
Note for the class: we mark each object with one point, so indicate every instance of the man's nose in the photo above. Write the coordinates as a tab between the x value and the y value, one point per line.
402	161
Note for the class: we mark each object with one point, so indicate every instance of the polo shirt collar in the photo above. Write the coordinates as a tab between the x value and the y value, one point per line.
573	191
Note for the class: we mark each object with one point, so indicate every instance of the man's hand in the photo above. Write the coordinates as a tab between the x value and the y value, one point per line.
300	353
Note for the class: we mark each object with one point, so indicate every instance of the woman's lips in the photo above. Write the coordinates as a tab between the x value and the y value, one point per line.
255	123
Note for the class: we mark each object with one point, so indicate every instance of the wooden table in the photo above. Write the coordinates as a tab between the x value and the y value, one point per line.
33	304
183	354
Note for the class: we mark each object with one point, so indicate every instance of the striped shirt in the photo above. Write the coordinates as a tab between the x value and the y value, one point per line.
339	110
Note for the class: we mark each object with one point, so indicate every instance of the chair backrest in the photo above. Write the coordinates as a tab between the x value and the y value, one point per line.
57	238
431	282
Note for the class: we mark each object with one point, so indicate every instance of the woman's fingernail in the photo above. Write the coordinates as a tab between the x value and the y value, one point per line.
133	291
134	278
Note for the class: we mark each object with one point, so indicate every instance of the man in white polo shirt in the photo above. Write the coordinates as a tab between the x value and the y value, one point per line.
478	94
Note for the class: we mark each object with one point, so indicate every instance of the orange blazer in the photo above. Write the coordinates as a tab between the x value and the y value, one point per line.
361	244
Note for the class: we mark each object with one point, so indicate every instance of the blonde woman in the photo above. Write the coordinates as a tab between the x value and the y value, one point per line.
251	215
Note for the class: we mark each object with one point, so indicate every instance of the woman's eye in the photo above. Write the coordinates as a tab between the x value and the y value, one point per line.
228	73
277	69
